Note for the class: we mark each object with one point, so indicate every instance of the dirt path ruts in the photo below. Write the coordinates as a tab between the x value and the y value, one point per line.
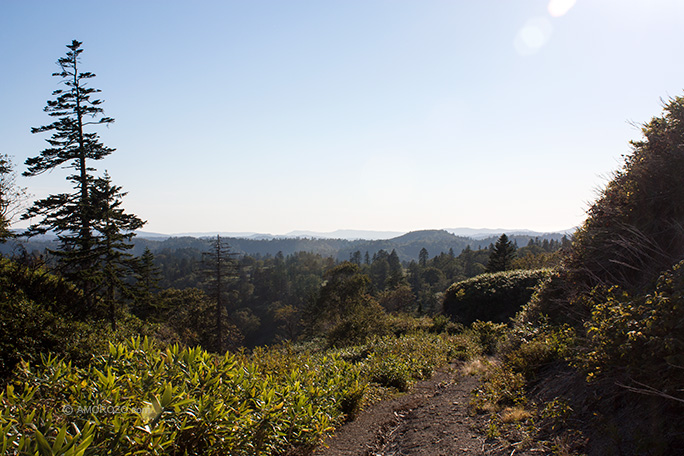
430	420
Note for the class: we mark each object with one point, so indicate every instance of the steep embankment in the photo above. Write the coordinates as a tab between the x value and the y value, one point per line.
610	320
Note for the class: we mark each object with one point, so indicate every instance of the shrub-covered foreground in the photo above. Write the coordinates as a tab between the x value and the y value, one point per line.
140	399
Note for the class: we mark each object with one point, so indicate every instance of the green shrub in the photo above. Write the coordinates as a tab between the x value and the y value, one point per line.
491	297
443	324
528	350
488	335
501	387
141	399
400	324
36	284
466	346
392	373
399	362
641	336
357	327
34	322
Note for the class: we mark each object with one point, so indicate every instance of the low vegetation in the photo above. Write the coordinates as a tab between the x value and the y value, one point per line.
140	398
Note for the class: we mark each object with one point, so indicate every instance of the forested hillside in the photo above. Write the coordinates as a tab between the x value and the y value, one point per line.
407	246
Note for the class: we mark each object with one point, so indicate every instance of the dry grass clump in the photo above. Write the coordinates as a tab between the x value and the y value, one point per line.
515	415
476	366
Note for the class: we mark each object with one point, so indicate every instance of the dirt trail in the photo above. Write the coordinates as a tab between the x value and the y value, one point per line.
430	420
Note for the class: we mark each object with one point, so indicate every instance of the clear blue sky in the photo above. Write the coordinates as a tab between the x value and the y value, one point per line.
272	116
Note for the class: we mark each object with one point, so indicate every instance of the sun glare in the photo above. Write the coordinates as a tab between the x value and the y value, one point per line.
533	36
558	8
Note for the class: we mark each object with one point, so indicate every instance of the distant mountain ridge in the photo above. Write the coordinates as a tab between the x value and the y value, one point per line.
357	235
407	245
338	234
482	233
346	234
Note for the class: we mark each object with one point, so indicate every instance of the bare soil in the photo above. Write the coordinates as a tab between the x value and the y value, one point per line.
432	419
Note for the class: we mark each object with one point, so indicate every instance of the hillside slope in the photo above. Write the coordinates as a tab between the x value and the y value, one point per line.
604	334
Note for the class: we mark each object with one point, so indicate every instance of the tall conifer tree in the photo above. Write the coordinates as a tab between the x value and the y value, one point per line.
220	269
147	275
501	256
72	216
113	229
423	257
396	272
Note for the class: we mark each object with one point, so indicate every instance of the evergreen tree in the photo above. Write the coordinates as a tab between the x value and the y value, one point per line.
380	270
501	256
11	196
344	310
396	273
467	258
148	275
113	230
423	257
414	276
71	215
220	269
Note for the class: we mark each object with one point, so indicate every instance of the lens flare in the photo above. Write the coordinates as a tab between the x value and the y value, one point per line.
533	36
558	8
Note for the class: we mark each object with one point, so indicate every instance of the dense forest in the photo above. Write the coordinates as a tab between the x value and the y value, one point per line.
117	345
267	294
407	246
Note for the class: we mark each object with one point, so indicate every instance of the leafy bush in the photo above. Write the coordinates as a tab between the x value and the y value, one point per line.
357	327
35	321
526	350
399	362
488	335
466	346
443	324
36	284
491	297
549	305
641	337
501	387
141	399
392	373
400	324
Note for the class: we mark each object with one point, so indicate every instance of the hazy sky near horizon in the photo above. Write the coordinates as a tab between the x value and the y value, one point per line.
279	115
